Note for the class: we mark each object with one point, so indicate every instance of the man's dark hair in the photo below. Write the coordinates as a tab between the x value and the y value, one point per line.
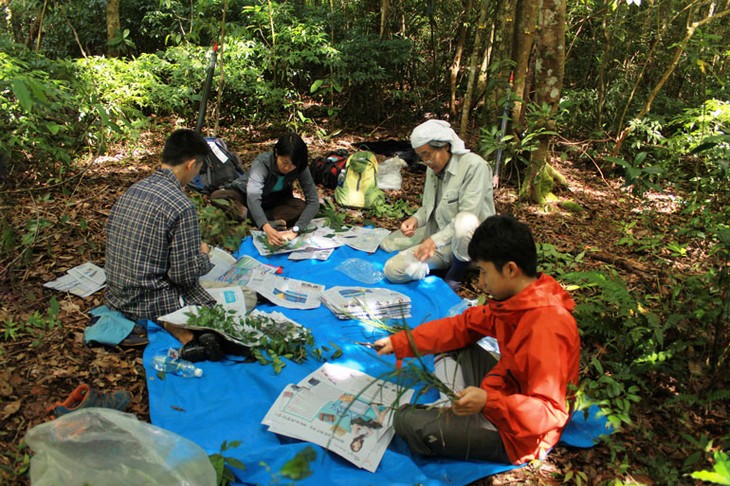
292	145
183	145
502	239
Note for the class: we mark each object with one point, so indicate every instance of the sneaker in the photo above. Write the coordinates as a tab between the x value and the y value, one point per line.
84	397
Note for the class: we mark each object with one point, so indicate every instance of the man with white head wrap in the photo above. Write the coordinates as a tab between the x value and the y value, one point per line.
457	197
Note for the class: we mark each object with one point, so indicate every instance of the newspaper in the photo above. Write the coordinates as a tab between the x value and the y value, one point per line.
287	292
222	262
82	280
231	298
364	239
341	409
235	272
311	254
314	239
367	303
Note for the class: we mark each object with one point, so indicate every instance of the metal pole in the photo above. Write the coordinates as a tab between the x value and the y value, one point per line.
502	131
206	88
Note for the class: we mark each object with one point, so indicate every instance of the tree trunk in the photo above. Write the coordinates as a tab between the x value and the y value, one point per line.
473	63
384	6
456	64
525	30
549	71
113	25
502	55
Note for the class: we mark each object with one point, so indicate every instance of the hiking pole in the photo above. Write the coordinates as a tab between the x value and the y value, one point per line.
502	131
206	88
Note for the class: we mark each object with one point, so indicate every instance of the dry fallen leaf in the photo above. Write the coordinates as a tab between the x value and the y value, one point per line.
10	409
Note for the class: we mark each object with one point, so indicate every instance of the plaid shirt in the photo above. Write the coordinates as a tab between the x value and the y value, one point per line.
153	258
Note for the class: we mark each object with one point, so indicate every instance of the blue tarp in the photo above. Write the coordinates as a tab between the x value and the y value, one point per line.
229	401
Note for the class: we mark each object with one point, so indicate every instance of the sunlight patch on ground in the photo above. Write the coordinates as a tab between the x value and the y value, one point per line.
665	203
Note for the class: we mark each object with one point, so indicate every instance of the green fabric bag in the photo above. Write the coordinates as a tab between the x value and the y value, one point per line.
358	188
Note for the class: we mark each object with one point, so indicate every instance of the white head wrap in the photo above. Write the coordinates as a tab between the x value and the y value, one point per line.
437	131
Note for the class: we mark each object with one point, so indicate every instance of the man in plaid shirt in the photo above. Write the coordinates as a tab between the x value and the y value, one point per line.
154	255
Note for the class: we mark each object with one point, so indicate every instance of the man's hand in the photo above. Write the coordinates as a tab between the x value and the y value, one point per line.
408	227
386	346
471	401
204	248
425	250
275	238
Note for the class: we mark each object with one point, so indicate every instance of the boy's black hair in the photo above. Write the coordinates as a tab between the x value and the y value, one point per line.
292	145
502	239
183	145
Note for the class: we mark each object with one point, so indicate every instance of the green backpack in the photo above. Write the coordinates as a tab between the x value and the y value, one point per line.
358	188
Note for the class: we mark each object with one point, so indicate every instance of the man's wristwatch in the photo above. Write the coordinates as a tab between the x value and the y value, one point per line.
295	229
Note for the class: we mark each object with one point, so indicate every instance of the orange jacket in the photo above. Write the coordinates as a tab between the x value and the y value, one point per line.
540	346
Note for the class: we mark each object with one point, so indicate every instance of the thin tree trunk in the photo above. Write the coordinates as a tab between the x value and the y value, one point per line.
473	63
503	54
384	6
113	25
40	26
456	64
525	31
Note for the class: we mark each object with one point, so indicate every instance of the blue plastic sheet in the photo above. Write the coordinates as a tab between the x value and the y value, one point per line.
230	400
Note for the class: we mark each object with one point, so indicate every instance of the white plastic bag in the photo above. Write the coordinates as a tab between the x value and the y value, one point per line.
389	177
105	446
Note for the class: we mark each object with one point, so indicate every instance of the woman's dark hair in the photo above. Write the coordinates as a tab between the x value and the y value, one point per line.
359	440
292	145
183	145
502	239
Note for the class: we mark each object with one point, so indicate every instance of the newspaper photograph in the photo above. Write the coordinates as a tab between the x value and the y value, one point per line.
341	409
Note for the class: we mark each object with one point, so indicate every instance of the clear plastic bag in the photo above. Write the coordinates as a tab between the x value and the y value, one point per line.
360	270
105	446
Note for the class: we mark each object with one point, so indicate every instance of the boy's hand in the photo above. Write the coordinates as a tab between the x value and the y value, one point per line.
204	248
471	401
386	346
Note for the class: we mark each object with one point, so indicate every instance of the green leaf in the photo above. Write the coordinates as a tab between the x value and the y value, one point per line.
315	86
21	91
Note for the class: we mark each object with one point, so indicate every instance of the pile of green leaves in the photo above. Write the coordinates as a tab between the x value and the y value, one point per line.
270	340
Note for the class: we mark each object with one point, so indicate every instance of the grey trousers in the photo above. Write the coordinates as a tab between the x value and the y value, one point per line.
434	431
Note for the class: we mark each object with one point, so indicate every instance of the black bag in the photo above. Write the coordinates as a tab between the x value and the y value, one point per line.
325	170
220	167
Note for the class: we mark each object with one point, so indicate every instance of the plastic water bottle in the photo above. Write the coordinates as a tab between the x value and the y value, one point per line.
176	366
341	178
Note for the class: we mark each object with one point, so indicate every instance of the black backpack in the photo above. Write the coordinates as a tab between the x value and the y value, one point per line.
220	167
325	170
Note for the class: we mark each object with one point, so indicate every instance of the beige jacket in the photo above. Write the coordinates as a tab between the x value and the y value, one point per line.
466	186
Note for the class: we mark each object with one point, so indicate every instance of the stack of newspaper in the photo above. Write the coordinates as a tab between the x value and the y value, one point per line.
367	303
340	409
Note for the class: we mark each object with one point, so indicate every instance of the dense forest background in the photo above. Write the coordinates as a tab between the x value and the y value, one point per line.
633	92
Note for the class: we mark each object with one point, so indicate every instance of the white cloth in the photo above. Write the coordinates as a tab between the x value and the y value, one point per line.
437	131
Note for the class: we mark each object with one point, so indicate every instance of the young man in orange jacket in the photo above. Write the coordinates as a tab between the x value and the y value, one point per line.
513	410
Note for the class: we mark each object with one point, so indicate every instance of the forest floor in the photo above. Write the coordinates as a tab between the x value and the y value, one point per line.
43	365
